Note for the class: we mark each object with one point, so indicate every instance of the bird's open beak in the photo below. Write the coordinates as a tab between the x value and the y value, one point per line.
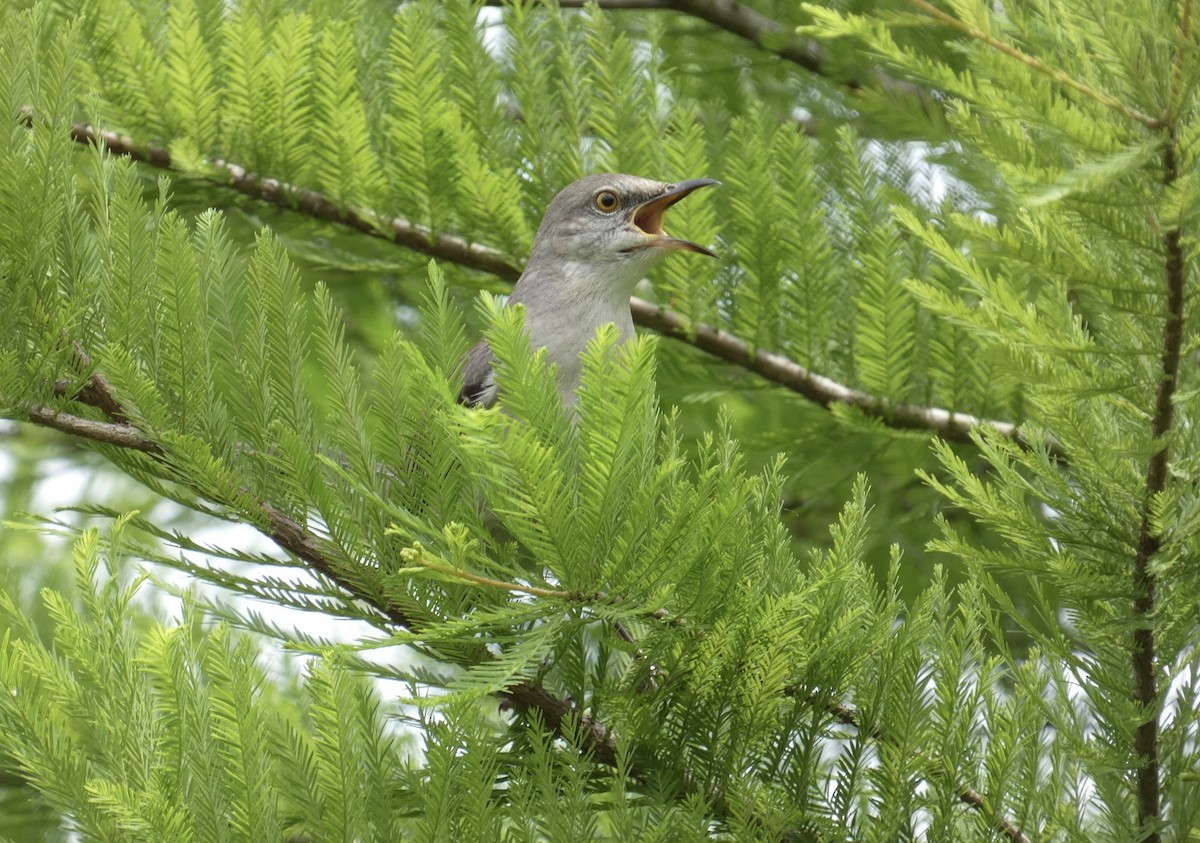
648	218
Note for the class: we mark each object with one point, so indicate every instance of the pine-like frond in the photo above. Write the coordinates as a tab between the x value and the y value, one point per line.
346	165
677	647
421	122
190	66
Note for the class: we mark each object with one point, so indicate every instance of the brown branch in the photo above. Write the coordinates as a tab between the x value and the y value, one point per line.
763	32
554	713
848	715
773	367
821	390
399	231
1143	659
1149	542
293	537
1036	64
309	202
106	433
96	392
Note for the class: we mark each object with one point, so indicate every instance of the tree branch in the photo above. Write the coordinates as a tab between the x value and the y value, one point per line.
1036	64
399	231
763	32
293	537
848	715
106	433
526	697
1143	659
773	367
1149	542
821	390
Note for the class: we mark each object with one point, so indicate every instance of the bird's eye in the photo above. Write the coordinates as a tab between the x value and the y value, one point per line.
607	201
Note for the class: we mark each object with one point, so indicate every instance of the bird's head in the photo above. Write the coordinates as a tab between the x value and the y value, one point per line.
614	220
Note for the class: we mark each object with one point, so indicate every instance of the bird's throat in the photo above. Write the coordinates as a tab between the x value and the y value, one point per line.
563	314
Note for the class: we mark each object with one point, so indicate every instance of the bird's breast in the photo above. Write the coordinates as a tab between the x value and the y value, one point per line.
564	327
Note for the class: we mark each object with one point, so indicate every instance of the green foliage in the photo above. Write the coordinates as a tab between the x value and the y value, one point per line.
988	645
192	740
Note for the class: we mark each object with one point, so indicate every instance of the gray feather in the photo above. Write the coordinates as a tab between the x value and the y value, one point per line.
479	385
589	253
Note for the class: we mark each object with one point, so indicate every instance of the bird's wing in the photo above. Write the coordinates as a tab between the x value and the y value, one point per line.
479	386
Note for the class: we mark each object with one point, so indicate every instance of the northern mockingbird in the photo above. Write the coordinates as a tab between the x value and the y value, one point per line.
598	238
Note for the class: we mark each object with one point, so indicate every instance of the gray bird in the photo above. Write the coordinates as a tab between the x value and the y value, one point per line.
598	238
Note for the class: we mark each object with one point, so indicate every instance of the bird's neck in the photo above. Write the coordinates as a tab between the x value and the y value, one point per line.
565	305
576	295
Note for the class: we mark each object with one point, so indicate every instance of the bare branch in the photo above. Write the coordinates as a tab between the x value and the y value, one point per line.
399	231
106	433
773	367
1149	542
825	391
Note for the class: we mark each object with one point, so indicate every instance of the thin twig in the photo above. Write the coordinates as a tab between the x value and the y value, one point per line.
106	433
1037	64
827	392
399	231
776	368
763	32
416	556
848	715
